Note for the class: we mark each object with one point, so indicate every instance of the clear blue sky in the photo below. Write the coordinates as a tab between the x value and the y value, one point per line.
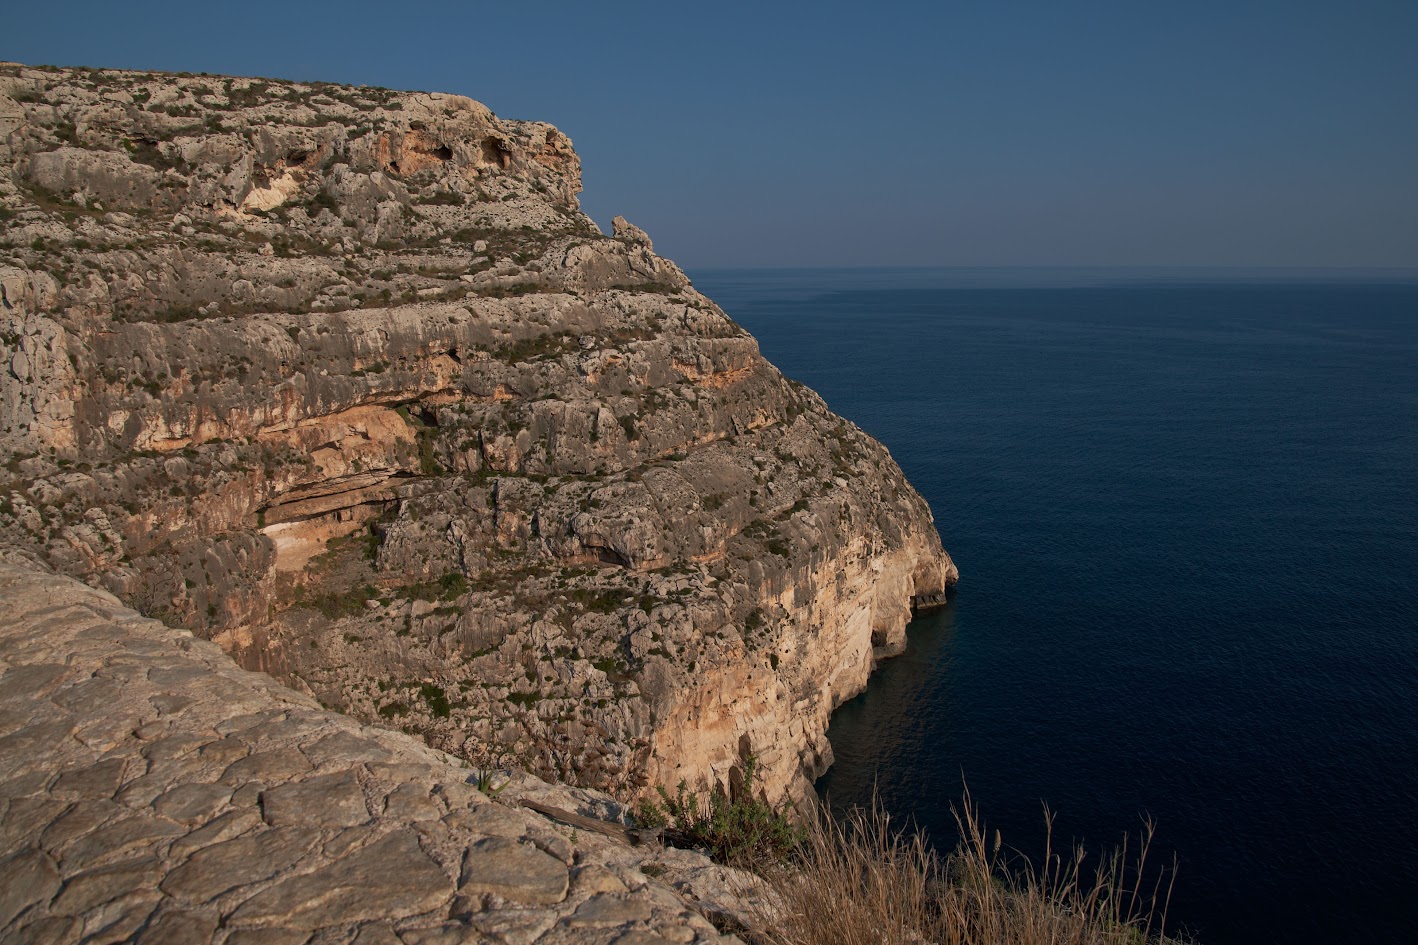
975	133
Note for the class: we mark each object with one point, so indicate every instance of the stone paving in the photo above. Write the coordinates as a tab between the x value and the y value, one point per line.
153	792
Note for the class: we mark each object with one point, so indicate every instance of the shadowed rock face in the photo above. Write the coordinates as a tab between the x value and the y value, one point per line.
343	380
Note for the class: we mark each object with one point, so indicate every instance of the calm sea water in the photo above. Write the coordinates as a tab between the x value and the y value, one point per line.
1185	511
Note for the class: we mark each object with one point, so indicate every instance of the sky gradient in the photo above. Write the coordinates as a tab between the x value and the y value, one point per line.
929	134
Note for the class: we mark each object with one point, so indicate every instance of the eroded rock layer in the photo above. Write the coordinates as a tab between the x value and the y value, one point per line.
343	380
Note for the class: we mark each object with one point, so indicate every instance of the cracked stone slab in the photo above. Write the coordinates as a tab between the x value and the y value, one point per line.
390	878
608	909
333	800
233	863
192	803
30	877
513	870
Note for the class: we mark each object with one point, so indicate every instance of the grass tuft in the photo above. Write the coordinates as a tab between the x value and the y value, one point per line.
859	880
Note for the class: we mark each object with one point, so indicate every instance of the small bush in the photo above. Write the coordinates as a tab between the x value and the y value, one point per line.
393	709
325	201
600	602
334	606
536	347
450	587
436	699
740	830
628	424
428	459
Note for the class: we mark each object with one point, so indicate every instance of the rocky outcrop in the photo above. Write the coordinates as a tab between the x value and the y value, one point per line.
151	791
343	380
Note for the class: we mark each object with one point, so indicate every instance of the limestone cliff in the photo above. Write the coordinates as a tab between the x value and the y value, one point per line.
343	380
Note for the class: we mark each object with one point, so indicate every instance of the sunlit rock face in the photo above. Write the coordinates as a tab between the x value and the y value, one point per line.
343	380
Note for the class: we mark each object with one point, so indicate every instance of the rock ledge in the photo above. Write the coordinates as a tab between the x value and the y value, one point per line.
151	791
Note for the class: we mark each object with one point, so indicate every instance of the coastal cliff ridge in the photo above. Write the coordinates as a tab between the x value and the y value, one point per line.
342	380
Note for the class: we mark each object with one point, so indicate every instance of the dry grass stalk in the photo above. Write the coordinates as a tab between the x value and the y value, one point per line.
862	882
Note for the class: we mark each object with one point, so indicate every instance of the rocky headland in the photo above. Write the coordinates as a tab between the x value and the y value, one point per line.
343	381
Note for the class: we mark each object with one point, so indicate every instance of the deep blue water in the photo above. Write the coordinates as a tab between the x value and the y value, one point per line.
1185	511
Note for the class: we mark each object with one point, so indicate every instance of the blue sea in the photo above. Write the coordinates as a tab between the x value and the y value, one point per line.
1185	509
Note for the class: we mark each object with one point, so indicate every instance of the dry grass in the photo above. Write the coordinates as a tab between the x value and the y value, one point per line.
862	882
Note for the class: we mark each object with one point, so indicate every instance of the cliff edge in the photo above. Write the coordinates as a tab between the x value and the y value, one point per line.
342	380
153	792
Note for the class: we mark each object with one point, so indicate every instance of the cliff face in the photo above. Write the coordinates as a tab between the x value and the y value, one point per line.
343	380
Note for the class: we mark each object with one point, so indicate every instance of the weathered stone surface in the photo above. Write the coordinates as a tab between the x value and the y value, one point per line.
595	878
376	933
516	926
174	860
412	803
391	878
333	800
22	684
50	930
514	870
608	909
224	827
453	933
178	927
31	877
267	767
94	781
127	836
636	937
273	936
213	870
96	887
343	749
192	803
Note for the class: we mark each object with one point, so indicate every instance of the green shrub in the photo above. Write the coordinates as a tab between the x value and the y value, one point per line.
450	587
740	830
325	201
334	606
428	460
628	424
600	602
437	700
453	585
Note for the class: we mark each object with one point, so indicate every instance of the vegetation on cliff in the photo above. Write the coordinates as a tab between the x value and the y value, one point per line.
824	878
862	880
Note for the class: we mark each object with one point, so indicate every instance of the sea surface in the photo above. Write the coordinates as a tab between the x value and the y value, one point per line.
1184	505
